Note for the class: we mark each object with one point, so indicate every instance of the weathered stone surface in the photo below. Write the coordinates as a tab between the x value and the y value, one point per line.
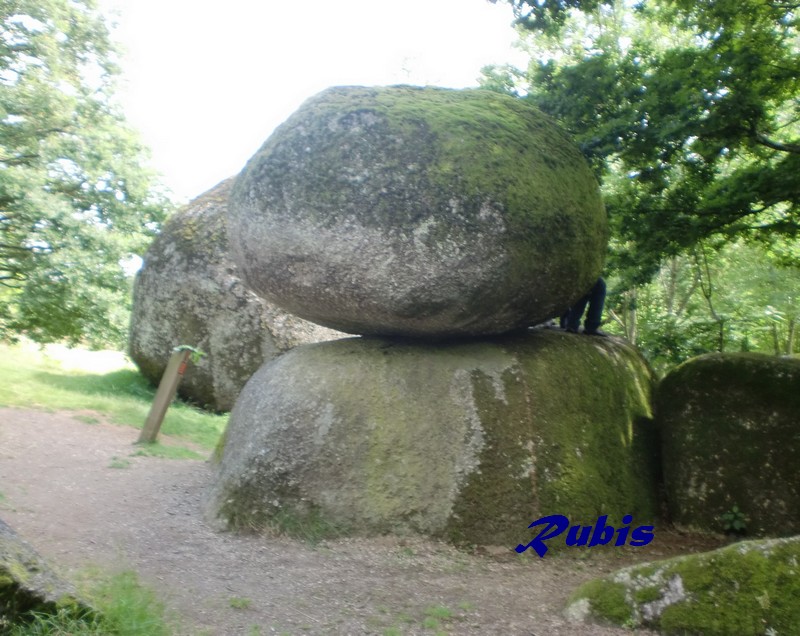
189	292
731	434
746	589
420	212
469	441
28	584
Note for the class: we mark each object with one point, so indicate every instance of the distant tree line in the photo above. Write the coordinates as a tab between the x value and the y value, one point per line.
76	203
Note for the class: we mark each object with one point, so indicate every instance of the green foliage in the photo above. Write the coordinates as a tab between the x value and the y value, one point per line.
196	354
29	380
75	202
687	110
734	521
739	296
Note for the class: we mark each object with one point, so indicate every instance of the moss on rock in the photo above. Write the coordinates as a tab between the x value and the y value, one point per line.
27	584
419	211
188	292
746	589
470	441
731	437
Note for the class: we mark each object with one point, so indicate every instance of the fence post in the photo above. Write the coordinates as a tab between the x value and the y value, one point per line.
176	367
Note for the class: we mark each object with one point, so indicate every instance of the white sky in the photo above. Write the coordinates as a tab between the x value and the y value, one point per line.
205	83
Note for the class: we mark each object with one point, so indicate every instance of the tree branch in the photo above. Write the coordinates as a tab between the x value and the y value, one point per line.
21	159
777	145
4	246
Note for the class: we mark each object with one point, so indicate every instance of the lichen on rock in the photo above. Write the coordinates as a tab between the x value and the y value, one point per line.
420	212
469	441
189	292
731	437
748	589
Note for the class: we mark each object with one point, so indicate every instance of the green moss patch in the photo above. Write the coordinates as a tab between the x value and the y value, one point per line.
27	584
748	589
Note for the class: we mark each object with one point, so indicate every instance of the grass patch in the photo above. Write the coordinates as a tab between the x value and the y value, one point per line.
310	527
124	608
436	619
119	462
86	419
167	452
30	378
439	612
237	602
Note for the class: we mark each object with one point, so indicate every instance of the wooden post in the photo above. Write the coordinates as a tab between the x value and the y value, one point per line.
166	391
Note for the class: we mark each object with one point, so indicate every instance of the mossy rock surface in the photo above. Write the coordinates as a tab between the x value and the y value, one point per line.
189	292
467	441
421	212
746	589
27	583
731	437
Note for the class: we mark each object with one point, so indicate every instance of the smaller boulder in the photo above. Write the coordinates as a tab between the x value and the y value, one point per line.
748	589
188	292
28	584
731	443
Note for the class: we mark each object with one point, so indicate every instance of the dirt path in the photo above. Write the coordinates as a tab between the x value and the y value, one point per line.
73	490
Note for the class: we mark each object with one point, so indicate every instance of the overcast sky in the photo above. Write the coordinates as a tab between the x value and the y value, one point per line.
205	83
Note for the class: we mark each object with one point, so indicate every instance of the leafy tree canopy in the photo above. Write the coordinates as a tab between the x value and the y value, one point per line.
688	109
75	202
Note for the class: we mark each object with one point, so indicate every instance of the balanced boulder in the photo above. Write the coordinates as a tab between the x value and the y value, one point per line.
188	292
468	441
422	212
730	425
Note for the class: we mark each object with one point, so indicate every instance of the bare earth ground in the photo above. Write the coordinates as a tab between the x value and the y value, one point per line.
73	490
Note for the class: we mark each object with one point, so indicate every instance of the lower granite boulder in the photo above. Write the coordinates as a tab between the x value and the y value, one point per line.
731	443
468	441
28	584
746	589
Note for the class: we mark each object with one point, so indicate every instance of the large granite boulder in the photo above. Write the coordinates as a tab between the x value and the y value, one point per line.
28	584
468	441
746	589
188	292
731	443
421	212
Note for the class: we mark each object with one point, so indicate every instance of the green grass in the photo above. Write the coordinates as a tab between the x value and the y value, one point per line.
32	379
169	452
237	602
124	608
119	462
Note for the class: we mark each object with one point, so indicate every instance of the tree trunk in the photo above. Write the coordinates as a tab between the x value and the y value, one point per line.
790	337
633	332
776	341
